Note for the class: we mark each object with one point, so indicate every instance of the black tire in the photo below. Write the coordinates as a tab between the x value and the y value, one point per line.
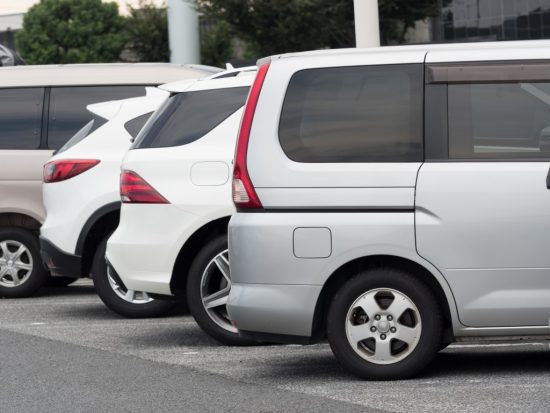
38	275
154	308
430	315
59	282
210	250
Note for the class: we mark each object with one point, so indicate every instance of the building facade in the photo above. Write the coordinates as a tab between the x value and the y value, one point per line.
492	20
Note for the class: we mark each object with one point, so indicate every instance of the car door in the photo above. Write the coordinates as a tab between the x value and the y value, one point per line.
482	197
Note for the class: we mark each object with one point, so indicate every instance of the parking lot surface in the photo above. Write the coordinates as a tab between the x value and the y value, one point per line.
63	350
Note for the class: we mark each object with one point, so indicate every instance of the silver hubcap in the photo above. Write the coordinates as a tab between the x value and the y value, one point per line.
130	296
15	263
383	326
215	288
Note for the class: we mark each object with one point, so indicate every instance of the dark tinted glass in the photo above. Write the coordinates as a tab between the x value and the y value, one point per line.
188	116
68	112
500	120
133	126
20	118
354	114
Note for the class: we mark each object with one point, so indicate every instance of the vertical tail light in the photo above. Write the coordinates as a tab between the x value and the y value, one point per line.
134	189
244	195
62	170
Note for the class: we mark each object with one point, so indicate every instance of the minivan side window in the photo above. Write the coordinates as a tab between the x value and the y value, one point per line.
499	120
188	116
354	114
68	113
21	118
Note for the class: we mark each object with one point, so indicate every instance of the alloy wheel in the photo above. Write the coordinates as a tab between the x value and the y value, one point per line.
215	288
16	263
383	326
130	296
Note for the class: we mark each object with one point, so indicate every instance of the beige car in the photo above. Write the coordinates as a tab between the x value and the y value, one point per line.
41	107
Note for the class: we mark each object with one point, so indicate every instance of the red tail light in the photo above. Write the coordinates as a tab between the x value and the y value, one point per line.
244	195
134	189
56	171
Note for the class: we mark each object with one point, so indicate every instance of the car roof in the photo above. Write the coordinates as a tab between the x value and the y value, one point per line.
448	52
100	74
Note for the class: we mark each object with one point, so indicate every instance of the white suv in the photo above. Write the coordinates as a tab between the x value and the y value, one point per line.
396	200
82	203
176	200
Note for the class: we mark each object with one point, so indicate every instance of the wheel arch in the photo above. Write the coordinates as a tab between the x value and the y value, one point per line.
190	248
98	225
20	220
351	268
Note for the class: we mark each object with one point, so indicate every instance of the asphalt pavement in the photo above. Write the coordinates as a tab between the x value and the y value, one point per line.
63	350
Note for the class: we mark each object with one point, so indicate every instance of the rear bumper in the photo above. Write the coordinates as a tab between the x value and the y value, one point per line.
274	310
58	262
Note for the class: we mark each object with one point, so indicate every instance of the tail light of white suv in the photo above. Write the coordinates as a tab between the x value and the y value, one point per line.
136	190
244	195
62	170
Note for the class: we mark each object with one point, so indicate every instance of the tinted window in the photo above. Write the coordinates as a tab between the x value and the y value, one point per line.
20	118
353	114
68	112
133	126
186	117
499	120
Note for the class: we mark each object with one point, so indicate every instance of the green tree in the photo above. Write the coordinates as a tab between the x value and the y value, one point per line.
71	31
278	26
147	30
216	47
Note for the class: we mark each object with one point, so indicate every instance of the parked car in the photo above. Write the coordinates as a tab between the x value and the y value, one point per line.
394	200
41	107
83	203
176	200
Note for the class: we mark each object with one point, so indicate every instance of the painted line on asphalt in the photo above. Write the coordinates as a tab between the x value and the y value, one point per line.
497	345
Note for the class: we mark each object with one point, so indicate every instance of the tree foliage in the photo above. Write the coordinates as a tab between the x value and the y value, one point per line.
216	44
278	26
147	31
71	31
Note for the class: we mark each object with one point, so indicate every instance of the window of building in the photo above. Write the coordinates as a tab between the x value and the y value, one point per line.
21	118
354	114
499	120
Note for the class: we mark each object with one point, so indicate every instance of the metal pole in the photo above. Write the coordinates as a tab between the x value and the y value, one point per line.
183	31
367	28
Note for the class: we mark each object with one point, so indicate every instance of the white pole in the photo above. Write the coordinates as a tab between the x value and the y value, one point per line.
183	31
367	28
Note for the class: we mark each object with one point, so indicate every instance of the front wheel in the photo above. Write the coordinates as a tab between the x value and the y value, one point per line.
128	303
21	269
208	288
384	324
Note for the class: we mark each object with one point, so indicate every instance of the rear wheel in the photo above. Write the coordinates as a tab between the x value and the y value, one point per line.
384	324
208	287
21	269
128	303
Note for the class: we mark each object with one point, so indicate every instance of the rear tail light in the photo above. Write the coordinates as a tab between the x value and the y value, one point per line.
244	195
134	189
56	171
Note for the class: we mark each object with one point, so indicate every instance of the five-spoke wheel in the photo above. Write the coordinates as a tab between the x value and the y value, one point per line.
384	324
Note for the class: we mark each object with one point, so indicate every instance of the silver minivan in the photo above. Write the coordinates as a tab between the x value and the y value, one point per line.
41	107
394	200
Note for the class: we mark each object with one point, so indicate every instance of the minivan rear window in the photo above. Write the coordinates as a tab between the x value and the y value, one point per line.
21	118
353	114
188	116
